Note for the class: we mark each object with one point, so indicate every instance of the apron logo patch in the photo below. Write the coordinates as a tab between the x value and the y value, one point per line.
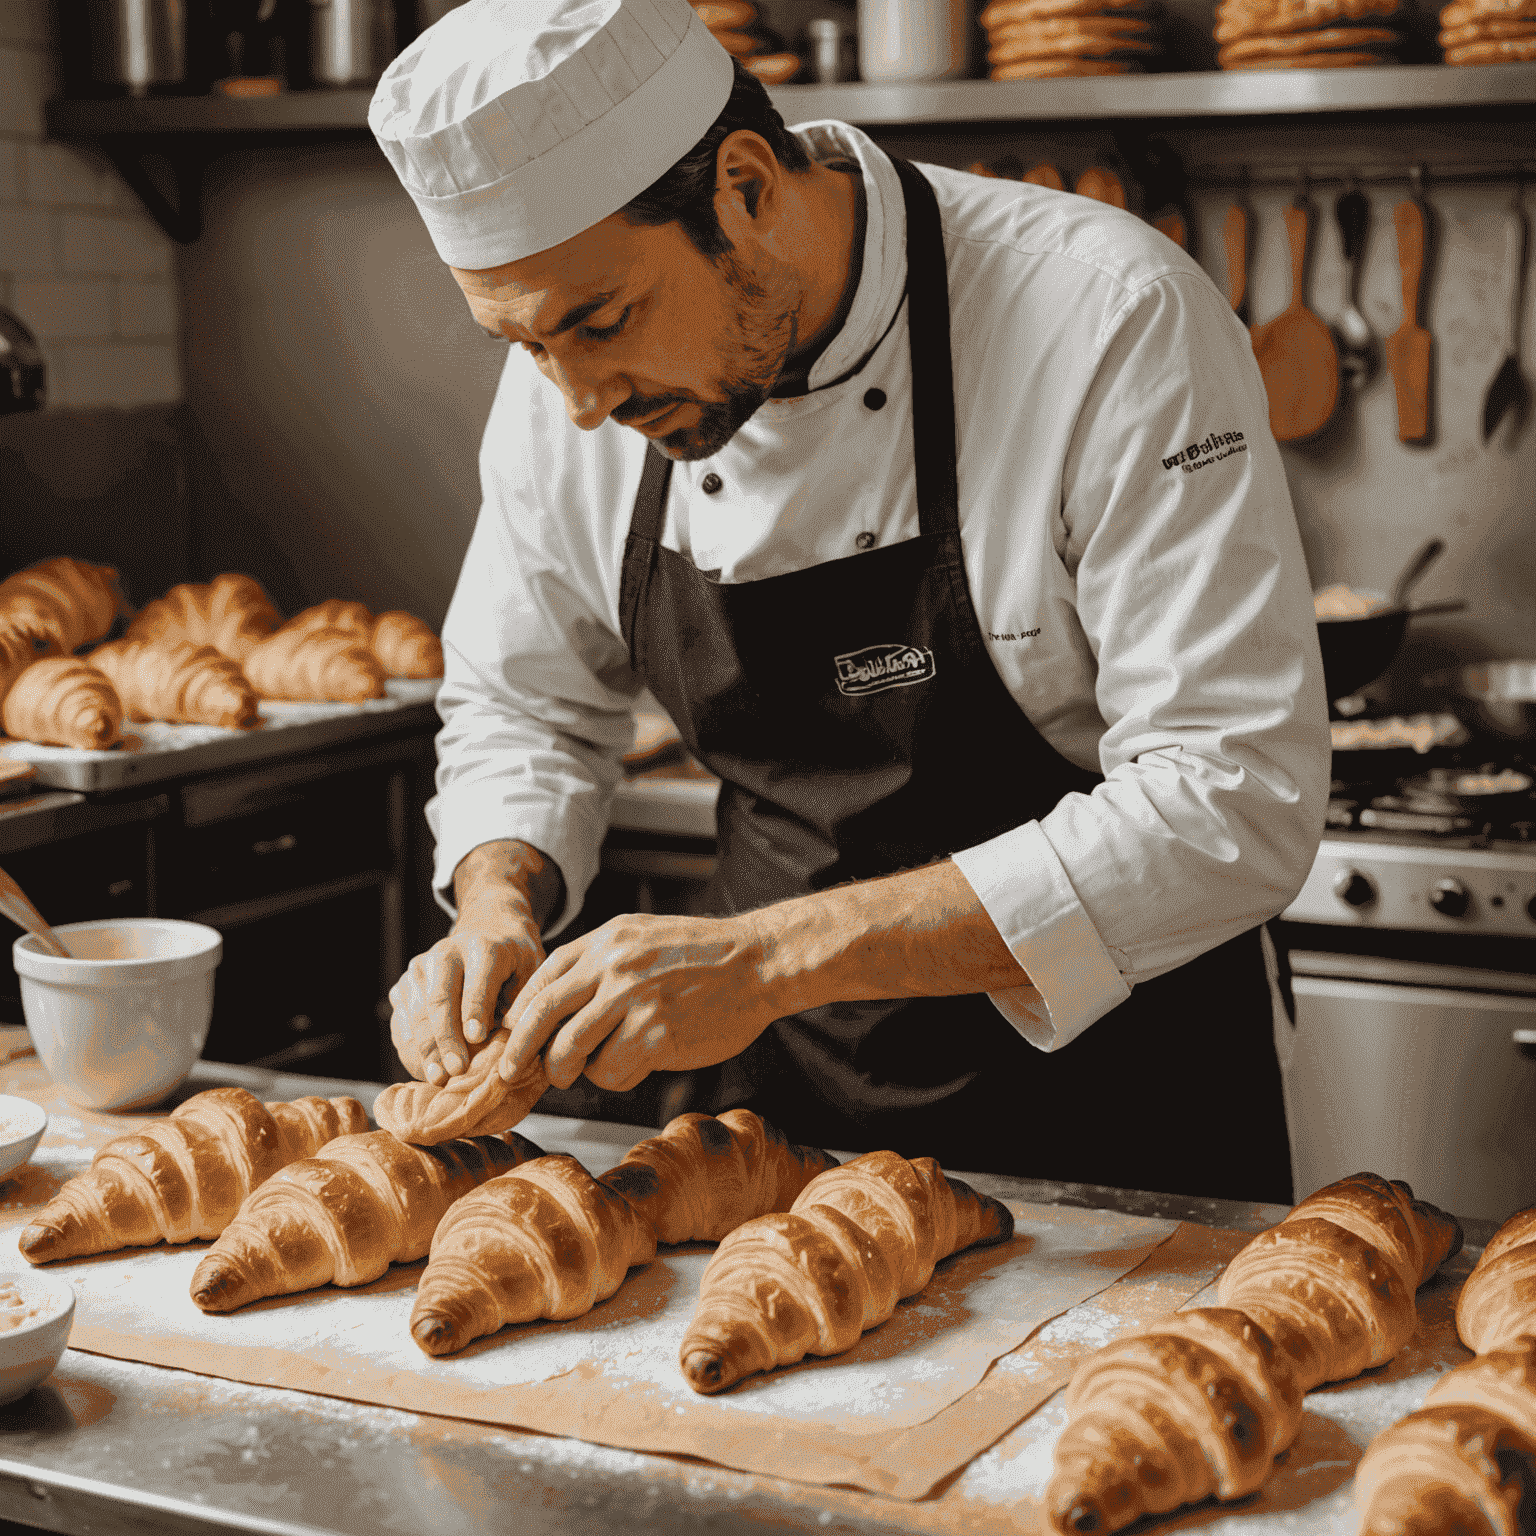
1219	445
877	667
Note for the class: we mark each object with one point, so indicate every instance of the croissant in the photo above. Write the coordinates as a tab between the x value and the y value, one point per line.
183	1177
62	701
231	613
704	1176
62	602
178	681
406	646
314	664
343	1217
1466	1461
811	1280
1498	1302
475	1103
1175	1413
335	613
17	653
547	1240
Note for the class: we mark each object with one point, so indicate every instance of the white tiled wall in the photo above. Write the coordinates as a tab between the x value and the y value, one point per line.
82	264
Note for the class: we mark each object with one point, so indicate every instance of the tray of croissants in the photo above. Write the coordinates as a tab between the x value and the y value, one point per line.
1181	1417
204	665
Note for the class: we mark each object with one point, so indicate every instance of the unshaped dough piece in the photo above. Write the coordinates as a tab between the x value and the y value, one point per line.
475	1103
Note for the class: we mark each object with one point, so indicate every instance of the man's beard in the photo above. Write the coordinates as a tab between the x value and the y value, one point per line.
767	338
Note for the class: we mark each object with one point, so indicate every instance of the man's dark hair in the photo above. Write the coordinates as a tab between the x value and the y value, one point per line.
686	194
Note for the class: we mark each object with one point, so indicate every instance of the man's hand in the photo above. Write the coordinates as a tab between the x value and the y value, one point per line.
640	994
451	998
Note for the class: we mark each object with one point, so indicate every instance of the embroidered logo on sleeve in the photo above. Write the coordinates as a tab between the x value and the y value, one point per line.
878	667
1218	446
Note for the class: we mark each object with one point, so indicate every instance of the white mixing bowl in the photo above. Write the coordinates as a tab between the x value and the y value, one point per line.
120	1023
32	1335
22	1124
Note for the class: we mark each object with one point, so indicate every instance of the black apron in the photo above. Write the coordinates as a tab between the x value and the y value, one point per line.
859	727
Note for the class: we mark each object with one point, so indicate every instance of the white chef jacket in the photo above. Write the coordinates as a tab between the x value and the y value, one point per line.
1129	541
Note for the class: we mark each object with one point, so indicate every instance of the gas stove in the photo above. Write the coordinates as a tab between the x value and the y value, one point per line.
1440	842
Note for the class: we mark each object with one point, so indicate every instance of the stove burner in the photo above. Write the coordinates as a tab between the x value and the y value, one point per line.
1469	794
1426	822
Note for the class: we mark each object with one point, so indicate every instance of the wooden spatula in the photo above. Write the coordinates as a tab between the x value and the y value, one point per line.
1234	234
1171	223
1410	347
1296	352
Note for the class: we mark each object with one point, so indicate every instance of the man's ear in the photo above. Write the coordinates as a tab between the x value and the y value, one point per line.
746	175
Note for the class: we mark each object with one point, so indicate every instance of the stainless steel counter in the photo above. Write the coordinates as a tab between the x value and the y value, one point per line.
107	1446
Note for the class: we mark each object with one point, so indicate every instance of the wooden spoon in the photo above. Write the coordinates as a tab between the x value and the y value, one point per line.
16	906
1296	351
1410	346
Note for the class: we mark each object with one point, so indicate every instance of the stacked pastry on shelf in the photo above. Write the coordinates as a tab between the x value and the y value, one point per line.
1308	34
737	26
1488	31
1201	1404
1041	39
203	654
1466	1460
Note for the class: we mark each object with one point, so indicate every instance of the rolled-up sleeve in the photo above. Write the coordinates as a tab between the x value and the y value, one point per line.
538	693
1185	573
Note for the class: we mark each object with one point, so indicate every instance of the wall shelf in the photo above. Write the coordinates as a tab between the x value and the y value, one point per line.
185	131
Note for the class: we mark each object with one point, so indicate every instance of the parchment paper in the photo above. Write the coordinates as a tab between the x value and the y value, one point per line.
916	1399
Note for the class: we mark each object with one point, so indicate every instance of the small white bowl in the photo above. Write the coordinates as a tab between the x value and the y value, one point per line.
120	1023
30	1350
22	1124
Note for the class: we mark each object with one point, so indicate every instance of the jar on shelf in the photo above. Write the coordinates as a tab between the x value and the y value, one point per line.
913	39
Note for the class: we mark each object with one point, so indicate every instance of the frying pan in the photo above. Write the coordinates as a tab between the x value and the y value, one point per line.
1358	648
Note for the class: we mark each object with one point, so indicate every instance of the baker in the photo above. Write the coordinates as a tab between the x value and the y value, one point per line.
941	515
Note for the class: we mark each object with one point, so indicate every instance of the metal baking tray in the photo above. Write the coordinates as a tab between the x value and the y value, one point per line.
156	752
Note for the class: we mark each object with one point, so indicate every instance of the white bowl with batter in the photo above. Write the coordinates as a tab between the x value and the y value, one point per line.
36	1313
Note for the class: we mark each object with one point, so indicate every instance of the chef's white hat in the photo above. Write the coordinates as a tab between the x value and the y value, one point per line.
515	124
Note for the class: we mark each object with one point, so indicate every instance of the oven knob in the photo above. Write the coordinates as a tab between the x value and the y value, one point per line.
1350	886
1449	898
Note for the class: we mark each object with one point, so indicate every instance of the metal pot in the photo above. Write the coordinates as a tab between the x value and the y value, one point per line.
350	41
1503	694
138	43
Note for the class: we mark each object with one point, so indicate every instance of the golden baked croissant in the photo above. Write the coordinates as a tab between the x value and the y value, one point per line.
1498	1302
812	1279
314	664
231	613
178	681
1465	1461
547	1240
705	1175
406	645
183	1177
62	602
344	1216
1174	1414
475	1103
335	613
62	701
17	653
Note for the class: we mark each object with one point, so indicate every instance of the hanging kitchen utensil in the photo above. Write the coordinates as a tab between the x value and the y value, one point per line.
1171	223
1235	236
1509	394
1413	572
1359	354
1102	184
1410	347
1045	175
1296	354
16	905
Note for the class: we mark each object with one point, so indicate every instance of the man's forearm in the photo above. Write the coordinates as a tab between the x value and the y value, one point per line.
922	933
508	873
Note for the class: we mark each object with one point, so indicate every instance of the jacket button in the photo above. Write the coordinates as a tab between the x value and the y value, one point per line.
865	541
874	398
711	483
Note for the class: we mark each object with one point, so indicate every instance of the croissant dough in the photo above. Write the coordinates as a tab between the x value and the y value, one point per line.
705	1175
475	1103
813	1279
547	1240
343	1217
184	1177
315	664
231	613
178	681
1202	1403
62	603
62	701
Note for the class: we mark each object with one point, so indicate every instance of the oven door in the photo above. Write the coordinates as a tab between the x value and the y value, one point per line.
1425	1073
